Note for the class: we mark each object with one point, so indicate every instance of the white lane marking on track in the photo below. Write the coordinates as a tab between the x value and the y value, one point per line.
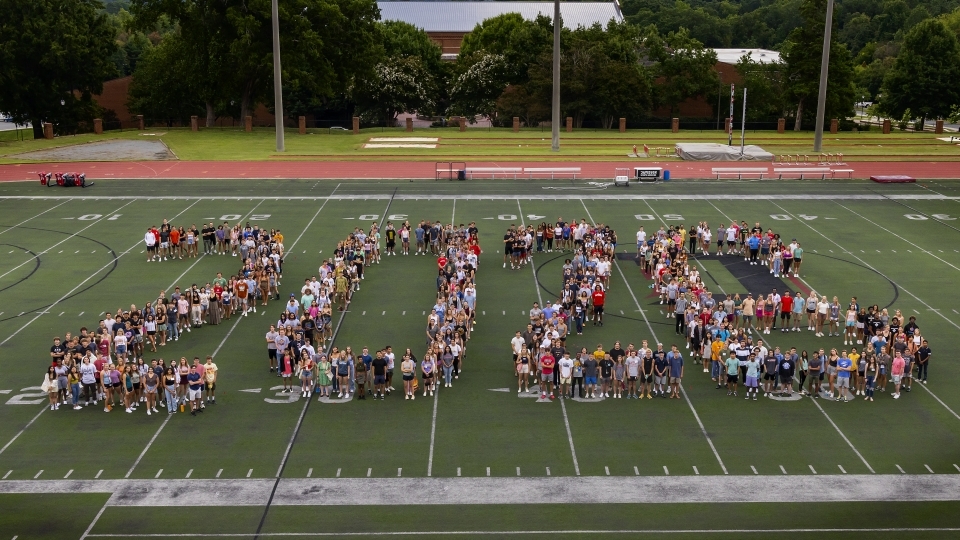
563	405
623	276
915	297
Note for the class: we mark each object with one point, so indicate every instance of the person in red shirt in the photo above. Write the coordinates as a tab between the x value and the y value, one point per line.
442	262
598	299
786	308
547	363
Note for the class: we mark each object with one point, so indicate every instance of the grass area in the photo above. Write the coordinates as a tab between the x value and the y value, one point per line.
47	517
248	432
493	144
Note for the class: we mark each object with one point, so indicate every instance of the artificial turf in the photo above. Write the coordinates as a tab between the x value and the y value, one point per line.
909	266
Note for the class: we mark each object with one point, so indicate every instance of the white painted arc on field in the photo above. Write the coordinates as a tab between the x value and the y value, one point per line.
563	405
915	297
653	333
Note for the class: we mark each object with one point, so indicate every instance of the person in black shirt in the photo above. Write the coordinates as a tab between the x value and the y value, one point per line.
379	375
606	376
57	351
923	359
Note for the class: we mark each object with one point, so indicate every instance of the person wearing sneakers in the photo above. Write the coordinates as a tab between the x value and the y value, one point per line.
896	371
798	306
379	366
675	360
733	373
195	392
633	373
150	239
565	365
786	310
547	364
210	374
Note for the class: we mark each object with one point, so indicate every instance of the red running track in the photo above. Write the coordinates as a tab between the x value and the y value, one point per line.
411	169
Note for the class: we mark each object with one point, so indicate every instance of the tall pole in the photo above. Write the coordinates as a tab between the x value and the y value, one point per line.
277	85
824	68
743	120
555	122
730	129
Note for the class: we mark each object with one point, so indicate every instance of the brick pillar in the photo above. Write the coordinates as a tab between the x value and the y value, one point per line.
194	126
675	125
409	125
886	127
462	121
834	126
727	125
98	126
939	127
47	130
140	122
781	125
248	123
569	124
623	125
302	125
516	124
356	125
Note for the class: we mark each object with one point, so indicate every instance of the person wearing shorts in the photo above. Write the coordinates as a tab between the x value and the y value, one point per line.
675	360
896	372
733	374
752	369
195	391
379	368
590	366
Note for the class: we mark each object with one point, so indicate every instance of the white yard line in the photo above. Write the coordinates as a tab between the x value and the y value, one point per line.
635	532
915	297
612	195
653	333
563	405
814	401
8	229
65	239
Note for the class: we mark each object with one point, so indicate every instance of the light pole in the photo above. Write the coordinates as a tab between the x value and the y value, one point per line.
824	68
277	86
555	122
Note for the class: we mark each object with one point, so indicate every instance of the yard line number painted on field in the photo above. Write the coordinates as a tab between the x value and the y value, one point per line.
785	217
92	217
648	217
921	217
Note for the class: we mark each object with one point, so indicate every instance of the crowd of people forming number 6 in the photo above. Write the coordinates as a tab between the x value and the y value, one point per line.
716	333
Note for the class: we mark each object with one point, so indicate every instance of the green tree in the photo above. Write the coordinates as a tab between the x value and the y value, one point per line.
765	84
684	68
519	41
924	77
474	92
54	55
802	54
160	91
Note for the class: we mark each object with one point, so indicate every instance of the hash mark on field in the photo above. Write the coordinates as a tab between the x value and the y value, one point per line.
338	473
621	312
159	473
38	474
8	474
309	472
548	471
77	251
364	313
504	312
61	314
458	471
369	471
59	252
666	471
518	471
399	472
606	470
98	473
901	470
695	471
484	312
844	471
68	474
928	468
219	473
81	314
488	471
636	470
190	472
250	472
814	471
384	313
784	471
404	313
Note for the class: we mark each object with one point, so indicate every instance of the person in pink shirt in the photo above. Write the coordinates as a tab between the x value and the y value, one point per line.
897	372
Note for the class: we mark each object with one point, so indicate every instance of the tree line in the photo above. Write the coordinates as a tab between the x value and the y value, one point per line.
213	58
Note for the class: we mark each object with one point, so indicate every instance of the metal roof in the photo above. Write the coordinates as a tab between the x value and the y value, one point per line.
761	56
445	16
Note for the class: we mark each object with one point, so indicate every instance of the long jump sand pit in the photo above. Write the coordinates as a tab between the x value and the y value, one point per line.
402	142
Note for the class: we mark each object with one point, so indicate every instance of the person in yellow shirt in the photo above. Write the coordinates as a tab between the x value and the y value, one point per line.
857	378
716	348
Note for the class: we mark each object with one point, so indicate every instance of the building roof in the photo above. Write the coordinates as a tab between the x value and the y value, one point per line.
761	56
446	16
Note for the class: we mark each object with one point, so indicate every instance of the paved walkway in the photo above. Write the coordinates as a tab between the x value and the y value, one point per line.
415	169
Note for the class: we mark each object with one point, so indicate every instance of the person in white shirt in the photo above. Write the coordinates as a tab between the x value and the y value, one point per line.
151	241
641	241
565	365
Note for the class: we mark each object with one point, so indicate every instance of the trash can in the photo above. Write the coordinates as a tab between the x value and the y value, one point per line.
666	176
461	174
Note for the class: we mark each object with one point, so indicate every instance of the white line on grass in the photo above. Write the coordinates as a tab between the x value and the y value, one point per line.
915	297
653	333
19	433
62	241
563	405
635	532
8	229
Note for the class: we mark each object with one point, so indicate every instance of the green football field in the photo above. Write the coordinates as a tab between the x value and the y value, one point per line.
475	459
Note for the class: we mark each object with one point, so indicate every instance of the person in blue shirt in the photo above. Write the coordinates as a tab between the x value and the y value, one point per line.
753	242
675	360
